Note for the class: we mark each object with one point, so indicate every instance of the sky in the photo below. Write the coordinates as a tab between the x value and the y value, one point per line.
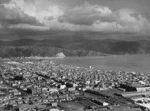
42	18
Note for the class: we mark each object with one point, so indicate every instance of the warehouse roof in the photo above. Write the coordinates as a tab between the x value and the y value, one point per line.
129	94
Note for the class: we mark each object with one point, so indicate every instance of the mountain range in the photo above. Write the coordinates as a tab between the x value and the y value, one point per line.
73	47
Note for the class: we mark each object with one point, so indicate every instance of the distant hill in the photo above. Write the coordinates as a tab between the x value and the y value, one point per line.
27	51
74	47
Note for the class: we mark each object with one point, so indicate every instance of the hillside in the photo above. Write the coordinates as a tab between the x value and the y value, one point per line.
26	51
28	47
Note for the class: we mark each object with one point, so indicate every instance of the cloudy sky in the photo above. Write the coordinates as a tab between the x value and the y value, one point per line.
32	18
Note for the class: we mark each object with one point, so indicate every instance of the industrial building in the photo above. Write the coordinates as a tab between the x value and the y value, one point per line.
100	102
134	94
135	87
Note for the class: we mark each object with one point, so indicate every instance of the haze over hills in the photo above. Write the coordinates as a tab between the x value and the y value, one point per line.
74	47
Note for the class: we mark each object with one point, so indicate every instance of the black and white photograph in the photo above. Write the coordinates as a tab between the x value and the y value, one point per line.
74	55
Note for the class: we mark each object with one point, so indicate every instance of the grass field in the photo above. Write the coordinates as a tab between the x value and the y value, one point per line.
136	63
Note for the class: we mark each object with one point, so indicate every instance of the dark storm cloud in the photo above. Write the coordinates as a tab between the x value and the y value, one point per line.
87	14
27	17
81	17
15	16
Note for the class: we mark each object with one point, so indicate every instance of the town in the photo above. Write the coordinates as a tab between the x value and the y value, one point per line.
31	84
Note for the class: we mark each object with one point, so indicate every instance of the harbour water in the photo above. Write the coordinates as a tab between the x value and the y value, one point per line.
135	63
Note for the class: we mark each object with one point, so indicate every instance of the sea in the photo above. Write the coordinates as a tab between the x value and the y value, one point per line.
139	63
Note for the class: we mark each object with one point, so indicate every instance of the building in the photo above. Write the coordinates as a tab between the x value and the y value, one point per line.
60	55
100	102
127	87
36	91
72	89
135	87
133	94
62	86
31	107
54	104
54	109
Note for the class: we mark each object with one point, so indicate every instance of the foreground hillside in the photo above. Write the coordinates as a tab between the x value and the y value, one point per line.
74	47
